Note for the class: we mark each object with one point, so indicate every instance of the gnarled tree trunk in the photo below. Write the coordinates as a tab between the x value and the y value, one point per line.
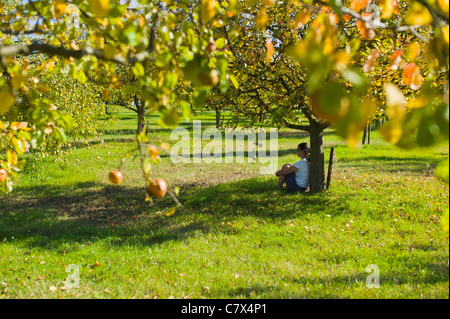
140	107
317	157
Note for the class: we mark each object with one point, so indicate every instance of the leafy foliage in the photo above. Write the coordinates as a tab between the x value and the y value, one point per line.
147	43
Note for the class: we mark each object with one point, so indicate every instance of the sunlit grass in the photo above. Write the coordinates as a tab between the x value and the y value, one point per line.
237	236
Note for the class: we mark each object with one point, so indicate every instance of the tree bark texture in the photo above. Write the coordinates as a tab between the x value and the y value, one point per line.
317	158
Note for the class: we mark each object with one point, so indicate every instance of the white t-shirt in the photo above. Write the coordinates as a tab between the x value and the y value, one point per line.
302	175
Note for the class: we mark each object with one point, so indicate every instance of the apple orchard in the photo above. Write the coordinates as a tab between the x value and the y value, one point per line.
306	65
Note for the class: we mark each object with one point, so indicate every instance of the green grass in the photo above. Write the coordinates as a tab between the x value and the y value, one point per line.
237	236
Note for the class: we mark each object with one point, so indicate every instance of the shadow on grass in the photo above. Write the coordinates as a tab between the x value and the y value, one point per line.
52	217
334	286
390	164
253	291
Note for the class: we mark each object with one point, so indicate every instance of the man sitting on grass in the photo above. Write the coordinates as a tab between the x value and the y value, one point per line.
296	176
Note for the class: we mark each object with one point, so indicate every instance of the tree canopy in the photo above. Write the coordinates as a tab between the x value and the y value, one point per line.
332	62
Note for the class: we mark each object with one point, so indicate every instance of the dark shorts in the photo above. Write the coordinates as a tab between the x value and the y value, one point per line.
292	185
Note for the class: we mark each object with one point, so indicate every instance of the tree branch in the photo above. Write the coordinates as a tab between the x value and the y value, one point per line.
35	47
306	128
377	24
26	32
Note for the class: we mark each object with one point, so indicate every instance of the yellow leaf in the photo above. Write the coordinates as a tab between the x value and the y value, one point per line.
171	212
329	44
153	152
250	3
42	67
100	8
141	21
366	29
74	46
106	95
358	5
395	102
43	88
443	5
418	15
50	66
11	157
302	18
445	221
6	101
109	51
207	10
369	109
165	146
60	9
391	133
417	103
412	76
115	83
219	23
270	49
412	51
445	33
14	126
388	8
261	19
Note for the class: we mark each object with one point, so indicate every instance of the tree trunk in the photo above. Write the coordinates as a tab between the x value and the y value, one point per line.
364	135
369	130
217	117
317	157
140	107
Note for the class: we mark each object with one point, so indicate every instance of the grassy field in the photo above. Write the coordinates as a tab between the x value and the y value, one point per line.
237	236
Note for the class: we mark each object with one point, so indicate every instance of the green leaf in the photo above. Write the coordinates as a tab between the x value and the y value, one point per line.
138	70
80	76
441	171
200	97
171	79
142	137
18	146
130	36
191	70
157	160
186	109
24	134
21	164
234	81
60	135
356	77
445	221
147	165
169	118
129	89
220	43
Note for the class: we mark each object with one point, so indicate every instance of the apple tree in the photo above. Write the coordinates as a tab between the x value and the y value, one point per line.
161	43
310	64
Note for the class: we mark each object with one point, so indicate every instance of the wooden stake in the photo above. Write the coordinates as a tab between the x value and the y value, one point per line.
330	167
